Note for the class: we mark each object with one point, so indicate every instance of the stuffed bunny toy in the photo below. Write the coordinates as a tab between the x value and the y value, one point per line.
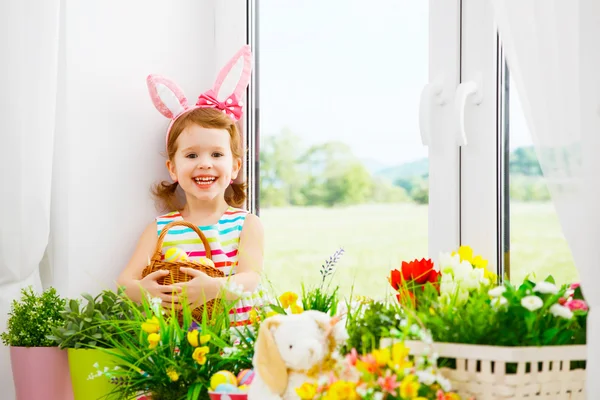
291	350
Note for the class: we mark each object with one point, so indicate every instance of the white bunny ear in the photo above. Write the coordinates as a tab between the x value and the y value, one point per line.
269	364
167	97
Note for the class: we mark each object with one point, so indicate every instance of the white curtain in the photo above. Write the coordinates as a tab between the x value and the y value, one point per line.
553	54
29	36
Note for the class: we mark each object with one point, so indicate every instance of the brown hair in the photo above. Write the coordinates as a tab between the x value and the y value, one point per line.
165	192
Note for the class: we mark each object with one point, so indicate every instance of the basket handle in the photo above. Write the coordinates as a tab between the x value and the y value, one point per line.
163	233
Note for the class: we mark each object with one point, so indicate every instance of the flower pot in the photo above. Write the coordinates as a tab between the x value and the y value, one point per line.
227	396
84	365
500	373
41	373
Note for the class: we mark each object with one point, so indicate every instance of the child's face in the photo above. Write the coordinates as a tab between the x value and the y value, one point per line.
203	164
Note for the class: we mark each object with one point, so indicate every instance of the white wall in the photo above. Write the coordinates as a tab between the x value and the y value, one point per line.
112	143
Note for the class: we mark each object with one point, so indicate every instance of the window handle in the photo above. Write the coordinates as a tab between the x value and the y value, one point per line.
470	90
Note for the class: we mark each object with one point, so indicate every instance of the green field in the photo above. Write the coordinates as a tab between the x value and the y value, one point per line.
376	238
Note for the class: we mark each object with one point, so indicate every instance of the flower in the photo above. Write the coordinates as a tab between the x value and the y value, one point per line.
409	388
307	391
296	309
173	375
561	311
574	286
576	304
287	299
199	354
153	340
352	357
342	390
192	337
389	383
498	301
419	271
465	253
497	291
253	316
532	303
545	288
151	325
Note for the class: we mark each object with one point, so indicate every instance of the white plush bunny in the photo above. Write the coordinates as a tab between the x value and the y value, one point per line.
291	350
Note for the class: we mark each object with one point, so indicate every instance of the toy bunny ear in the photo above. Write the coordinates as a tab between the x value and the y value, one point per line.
270	365
238	92
167	97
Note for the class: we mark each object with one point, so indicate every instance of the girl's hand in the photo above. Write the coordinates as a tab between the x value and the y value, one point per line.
167	293
200	289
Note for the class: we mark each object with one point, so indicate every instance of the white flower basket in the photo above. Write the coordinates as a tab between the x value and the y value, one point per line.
541	372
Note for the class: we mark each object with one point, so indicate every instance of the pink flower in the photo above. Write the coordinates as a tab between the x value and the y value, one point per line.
577	305
388	383
574	286
352	357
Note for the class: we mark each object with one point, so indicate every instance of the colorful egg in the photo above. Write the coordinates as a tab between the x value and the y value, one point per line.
206	261
226	388
245	377
222	377
175	254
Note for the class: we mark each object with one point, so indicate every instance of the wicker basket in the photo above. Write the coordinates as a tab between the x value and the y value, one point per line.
541	372
175	275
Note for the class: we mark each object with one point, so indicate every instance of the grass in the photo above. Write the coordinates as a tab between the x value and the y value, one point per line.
377	238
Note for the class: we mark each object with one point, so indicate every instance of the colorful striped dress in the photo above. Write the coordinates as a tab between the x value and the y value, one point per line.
223	238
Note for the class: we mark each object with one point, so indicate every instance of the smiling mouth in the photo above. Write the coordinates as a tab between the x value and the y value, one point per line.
205	181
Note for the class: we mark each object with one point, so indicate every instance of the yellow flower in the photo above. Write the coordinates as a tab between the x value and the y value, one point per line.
204	339
192	337
296	309
253	316
151	325
199	354
465	253
382	357
153	340
271	313
342	390
172	374
479	262
287	299
307	391
400	357
409	388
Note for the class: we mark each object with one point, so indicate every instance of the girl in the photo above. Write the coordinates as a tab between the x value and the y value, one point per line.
204	158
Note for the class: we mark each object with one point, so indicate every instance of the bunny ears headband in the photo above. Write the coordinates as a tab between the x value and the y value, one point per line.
170	101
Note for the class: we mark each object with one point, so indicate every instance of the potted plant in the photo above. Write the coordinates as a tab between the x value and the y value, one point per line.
166	359
497	341
40	369
84	334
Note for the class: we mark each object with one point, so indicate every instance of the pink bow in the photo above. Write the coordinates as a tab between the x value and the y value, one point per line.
230	106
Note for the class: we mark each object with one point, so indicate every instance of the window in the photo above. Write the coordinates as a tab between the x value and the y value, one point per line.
341	158
537	246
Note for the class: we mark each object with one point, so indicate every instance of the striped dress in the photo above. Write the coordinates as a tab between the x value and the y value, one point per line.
223	238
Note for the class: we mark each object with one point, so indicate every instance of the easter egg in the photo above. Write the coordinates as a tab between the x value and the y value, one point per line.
244	388
245	377
175	254
222	377
206	261
226	388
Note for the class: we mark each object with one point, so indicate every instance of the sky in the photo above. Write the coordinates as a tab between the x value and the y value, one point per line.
349	70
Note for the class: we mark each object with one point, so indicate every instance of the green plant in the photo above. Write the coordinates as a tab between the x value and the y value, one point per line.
368	323
32	318
531	314
83	323
169	359
323	298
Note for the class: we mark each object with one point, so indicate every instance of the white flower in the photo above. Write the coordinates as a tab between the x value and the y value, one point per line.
426	377
473	279
561	311
378	396
545	287
444	383
497	291
532	303
498	301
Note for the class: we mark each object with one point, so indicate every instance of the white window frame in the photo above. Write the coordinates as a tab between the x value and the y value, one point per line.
236	22
482	164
